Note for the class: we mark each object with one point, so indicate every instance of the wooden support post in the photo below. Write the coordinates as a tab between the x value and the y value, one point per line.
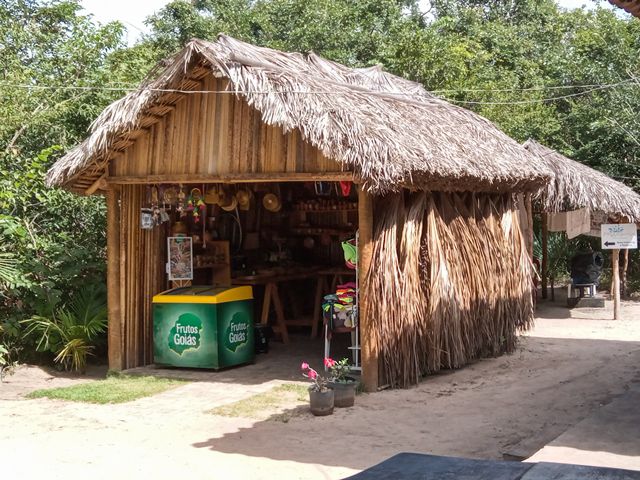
113	280
365	249
615	282
545	254
624	293
529	208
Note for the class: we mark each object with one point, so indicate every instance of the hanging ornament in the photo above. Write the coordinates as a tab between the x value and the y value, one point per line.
180	208
196	204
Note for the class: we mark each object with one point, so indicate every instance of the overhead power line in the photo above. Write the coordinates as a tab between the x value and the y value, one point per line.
127	88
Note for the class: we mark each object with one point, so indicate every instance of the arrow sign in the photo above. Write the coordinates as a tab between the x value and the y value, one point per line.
619	235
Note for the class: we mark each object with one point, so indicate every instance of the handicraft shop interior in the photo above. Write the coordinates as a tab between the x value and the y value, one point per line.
294	243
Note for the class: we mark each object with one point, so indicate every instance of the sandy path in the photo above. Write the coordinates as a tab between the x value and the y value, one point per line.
563	370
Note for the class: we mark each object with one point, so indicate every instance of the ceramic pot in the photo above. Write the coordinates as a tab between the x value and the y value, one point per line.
321	403
344	392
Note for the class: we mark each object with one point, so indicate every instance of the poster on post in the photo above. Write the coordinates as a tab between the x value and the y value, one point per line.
618	236
180	265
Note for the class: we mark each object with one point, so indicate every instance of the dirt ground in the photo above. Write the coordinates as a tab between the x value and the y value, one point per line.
570	364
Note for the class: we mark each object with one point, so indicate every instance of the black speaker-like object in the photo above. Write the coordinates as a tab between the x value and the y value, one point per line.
586	268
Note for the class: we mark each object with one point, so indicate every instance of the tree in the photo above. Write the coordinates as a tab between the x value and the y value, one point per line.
56	239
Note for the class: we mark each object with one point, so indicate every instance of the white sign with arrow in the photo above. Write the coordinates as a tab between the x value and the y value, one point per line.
619	236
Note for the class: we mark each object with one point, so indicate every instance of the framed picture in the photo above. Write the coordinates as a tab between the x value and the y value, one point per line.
180	266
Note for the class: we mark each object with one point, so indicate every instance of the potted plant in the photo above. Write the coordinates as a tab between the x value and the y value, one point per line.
344	386
320	394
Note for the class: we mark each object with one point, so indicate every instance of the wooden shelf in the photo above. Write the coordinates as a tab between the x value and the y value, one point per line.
328	210
303	231
211	265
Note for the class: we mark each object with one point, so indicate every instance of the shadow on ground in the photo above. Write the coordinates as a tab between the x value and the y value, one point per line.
547	386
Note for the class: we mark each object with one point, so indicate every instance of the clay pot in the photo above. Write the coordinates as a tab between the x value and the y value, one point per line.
321	403
344	392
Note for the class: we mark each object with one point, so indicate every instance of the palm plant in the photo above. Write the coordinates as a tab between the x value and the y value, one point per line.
9	273
70	331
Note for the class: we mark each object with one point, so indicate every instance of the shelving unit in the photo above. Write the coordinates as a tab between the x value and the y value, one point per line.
220	270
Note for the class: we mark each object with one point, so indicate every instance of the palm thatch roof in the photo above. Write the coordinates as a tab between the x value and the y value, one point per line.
630	6
390	132
575	185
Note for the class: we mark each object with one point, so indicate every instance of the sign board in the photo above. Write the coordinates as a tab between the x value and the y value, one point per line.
619	236
180	265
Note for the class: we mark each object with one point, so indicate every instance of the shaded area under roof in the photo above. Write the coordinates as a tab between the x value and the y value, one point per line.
575	185
390	132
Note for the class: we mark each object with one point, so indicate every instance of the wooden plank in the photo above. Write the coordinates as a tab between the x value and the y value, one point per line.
232	178
113	280
365	250
100	183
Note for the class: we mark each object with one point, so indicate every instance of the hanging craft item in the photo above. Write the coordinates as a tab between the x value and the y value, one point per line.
345	188
196	205
181	202
350	253
244	198
169	196
271	202
155	207
323	189
228	201
212	197
164	216
146	219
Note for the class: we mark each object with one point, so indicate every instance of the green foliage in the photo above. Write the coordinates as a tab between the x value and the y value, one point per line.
339	370
115	389
51	241
69	331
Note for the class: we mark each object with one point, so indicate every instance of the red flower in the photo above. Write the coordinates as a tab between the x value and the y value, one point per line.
304	366
312	374
329	362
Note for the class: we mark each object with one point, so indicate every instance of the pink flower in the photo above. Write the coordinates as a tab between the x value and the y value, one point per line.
329	362
312	374
304	366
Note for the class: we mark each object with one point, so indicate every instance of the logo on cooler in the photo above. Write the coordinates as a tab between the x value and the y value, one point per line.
185	334
236	334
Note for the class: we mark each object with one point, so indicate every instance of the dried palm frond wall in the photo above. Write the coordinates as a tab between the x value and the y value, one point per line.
450	282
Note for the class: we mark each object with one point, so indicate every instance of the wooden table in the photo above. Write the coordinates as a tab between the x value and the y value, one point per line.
271	294
322	289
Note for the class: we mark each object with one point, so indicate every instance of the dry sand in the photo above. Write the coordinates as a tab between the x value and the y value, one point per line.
569	365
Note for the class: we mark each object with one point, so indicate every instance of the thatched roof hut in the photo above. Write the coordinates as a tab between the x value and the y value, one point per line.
630	6
575	185
388	131
445	273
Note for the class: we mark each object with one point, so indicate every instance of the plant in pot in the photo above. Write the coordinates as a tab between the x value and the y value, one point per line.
320	394
344	386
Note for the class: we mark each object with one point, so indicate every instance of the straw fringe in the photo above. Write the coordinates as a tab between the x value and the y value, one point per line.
389	131
461	281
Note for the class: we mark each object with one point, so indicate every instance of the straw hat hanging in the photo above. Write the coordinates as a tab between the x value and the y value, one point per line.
229	202
271	202
244	198
212	197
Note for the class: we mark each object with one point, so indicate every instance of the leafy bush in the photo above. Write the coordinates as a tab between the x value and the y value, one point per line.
70	332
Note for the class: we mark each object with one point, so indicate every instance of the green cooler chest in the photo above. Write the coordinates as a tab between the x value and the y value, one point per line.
203	327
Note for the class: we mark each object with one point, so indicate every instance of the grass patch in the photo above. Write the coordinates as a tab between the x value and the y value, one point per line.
114	389
267	404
